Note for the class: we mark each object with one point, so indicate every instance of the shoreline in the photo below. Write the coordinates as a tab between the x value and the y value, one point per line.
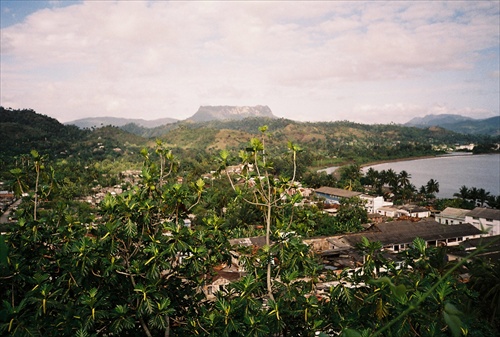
387	161
452	154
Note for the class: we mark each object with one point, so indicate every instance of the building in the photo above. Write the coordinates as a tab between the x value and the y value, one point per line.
414	211
399	235
373	203
485	219
489	248
333	195
389	211
452	216
411	211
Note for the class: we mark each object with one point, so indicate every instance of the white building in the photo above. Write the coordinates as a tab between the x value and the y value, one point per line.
412	211
452	216
333	195
372	203
485	219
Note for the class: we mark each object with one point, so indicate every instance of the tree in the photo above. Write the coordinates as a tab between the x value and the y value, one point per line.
403	179
463	193
482	196
136	270
494	201
431	188
267	191
350	176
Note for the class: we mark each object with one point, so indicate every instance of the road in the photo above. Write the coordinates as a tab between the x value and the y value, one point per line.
4	218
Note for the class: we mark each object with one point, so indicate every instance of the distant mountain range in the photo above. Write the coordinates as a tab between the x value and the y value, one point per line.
97	122
23	130
204	114
458	123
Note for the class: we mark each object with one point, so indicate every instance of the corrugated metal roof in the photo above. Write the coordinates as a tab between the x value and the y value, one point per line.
337	192
399	232
486	213
452	212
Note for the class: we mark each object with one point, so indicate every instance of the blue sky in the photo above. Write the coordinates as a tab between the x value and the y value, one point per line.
369	62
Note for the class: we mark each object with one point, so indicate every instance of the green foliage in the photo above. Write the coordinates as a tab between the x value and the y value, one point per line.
131	267
135	271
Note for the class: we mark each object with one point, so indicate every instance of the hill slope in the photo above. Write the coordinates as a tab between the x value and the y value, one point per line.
461	124
24	130
436	120
96	122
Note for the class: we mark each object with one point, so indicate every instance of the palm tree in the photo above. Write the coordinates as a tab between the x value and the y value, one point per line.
482	196
494	201
391	177
371	176
473	195
403	178
432	187
463	193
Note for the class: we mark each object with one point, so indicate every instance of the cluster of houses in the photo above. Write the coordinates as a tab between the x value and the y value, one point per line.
395	227
465	229
7	199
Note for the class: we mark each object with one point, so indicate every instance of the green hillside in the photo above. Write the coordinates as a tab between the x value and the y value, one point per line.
23	130
324	143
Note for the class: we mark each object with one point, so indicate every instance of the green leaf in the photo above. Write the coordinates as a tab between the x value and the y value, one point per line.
350	333
131	228
451	309
3	252
454	323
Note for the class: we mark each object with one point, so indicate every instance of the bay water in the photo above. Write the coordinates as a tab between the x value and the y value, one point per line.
451	172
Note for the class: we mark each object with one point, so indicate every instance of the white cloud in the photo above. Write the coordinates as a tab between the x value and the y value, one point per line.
162	58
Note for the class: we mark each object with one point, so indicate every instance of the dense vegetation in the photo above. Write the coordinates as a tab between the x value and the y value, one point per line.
129	266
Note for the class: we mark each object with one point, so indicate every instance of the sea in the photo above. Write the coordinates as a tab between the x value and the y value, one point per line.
451	171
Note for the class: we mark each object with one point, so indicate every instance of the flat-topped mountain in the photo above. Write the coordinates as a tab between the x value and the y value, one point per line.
225	112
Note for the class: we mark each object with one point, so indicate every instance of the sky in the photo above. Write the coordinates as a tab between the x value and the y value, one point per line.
367	62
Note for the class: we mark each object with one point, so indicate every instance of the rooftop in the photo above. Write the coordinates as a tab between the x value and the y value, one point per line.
452	212
337	192
400	232
486	213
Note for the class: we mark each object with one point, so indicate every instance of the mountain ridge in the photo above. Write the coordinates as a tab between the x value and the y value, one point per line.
97	122
458	123
436	119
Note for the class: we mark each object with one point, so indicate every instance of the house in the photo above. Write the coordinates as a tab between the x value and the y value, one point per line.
399	235
414	211
489	245
333	195
452	216
485	219
388	211
411	211
219	281
373	203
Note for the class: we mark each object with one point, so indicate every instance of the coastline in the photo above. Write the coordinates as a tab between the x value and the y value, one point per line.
452	154
386	161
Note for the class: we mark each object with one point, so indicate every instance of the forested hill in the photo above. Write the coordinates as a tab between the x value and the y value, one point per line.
326	142
319	134
488	126
23	130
